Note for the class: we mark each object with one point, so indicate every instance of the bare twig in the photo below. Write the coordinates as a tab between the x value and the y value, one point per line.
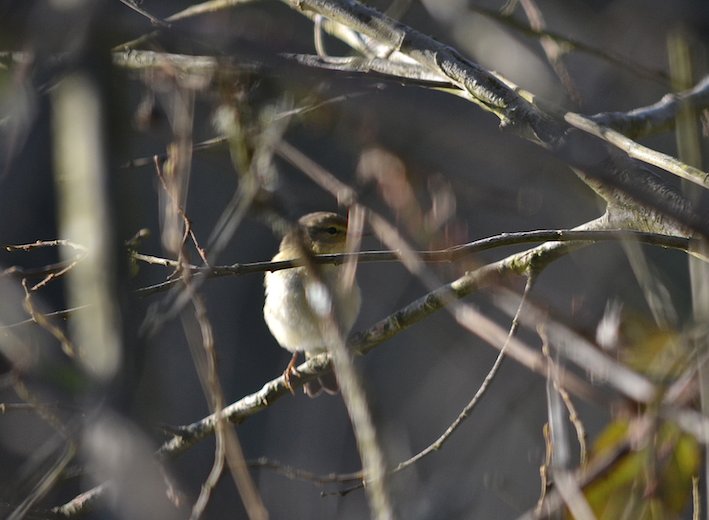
153	19
46	243
658	116
465	413
299	474
640	152
34	406
56	314
41	320
206	368
49	271
228	449
551	47
566	399
545	469
204	8
207	7
188	232
506	17
450	254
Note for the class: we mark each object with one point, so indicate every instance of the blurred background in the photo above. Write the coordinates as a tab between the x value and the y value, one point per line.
437	167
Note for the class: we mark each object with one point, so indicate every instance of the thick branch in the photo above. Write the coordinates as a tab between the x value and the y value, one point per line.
625	184
590	148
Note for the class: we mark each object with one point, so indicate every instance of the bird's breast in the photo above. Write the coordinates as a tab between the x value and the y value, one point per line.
288	312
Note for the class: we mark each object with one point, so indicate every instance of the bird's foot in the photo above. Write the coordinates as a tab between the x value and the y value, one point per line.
289	372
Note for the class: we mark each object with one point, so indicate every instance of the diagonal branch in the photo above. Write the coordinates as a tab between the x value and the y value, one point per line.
450	254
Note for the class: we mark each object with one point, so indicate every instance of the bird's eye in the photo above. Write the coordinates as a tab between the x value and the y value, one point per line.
332	230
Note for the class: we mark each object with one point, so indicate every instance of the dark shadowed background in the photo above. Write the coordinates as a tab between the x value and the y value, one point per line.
418	381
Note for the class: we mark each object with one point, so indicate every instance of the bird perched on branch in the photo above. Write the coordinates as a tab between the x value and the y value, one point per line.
289	311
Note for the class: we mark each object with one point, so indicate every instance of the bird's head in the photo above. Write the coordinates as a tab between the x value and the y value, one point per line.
321	233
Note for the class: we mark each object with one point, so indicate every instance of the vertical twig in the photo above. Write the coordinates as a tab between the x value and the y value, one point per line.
690	151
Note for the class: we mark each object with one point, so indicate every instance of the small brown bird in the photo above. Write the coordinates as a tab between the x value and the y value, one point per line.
288	312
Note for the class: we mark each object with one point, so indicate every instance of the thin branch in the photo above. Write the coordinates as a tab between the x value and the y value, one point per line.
465	413
64	313
204	8
41	320
545	467
45	243
204	360
566	399
35	406
640	152
292	473
153	19
575	420
657	75
187	224
658	116
207	7
179	64
450	254
551	48
49	271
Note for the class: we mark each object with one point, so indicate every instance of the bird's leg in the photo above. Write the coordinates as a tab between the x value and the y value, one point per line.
290	371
